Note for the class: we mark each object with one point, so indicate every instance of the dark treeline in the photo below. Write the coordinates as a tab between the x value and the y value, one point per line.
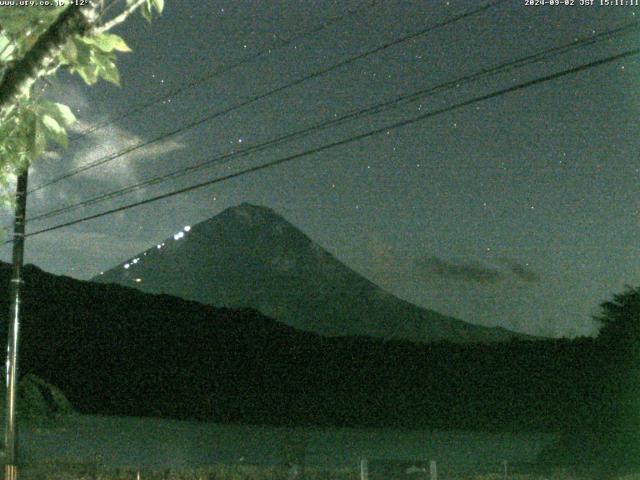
114	350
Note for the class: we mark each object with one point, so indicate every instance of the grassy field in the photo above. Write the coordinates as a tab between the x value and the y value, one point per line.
74	470
71	470
156	444
118	448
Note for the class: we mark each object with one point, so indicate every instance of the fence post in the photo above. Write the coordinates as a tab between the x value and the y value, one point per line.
505	464
364	469
433	470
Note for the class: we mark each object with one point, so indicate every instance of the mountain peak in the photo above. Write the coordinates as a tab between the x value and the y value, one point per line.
250	256
252	208
250	213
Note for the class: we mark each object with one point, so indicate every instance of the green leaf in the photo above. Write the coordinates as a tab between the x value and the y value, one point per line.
89	74
37	18
69	53
83	61
36	141
145	10
58	111
6	48
159	4
107	42
24	91
105	64
109	72
96	58
16	20
53	130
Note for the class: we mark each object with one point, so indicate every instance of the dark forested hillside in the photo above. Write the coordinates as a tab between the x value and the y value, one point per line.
116	350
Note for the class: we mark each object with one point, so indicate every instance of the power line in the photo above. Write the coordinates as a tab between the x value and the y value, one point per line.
204	78
322	148
253	99
395	102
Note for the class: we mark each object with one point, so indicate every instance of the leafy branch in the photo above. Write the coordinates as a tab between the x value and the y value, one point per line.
34	43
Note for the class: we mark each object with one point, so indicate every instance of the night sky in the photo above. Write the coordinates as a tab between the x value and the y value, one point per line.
520	211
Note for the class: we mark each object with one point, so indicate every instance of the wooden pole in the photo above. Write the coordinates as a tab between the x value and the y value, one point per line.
433	470
364	469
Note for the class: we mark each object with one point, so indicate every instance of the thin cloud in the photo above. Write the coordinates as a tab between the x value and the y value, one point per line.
464	271
522	272
112	175
475	272
115	139
105	142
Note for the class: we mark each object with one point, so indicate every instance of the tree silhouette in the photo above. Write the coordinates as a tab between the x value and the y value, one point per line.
620	319
604	437
618	375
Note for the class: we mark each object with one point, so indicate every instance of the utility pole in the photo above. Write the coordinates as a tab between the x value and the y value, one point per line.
19	77
10	434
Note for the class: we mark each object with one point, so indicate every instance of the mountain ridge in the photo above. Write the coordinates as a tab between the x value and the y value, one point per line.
114	350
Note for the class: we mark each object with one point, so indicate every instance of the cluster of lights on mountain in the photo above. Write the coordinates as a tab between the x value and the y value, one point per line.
176	236
181	233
